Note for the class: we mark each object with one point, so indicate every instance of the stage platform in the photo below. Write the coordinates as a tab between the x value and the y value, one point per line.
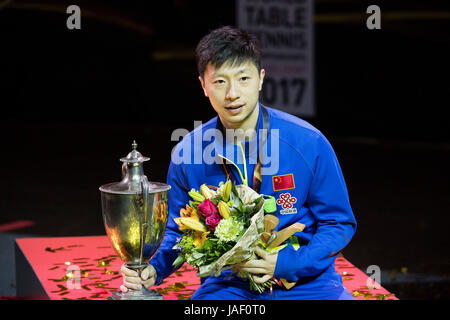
80	268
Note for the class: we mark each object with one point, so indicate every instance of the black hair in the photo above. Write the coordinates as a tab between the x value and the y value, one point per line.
227	44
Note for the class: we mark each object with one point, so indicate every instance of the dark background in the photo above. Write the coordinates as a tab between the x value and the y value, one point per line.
72	101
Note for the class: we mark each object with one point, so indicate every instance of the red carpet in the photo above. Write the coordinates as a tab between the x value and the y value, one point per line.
58	262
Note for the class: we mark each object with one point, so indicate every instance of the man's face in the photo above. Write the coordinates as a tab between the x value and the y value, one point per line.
233	92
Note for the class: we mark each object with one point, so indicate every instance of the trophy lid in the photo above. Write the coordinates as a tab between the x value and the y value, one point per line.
132	173
134	156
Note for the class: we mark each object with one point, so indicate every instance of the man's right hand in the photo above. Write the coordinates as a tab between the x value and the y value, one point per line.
131	280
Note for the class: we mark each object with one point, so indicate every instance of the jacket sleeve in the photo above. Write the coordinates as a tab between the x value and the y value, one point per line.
177	198
329	203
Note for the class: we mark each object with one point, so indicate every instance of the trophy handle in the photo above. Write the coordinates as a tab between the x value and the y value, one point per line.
143	219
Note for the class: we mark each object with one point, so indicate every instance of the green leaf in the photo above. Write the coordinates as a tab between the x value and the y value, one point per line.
197	255
249	209
194	204
178	261
258	204
236	201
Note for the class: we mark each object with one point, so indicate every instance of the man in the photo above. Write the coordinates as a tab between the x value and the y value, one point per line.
305	179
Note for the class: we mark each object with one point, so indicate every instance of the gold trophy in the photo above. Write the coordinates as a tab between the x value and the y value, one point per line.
135	217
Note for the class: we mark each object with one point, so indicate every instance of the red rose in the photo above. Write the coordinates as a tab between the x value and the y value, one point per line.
207	208
212	221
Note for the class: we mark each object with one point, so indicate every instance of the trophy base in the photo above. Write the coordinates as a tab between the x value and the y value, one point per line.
143	294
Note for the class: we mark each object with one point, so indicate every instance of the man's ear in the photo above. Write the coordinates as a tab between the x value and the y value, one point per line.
202	82
261	78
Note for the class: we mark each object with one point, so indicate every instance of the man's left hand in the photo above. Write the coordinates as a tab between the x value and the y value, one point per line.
261	269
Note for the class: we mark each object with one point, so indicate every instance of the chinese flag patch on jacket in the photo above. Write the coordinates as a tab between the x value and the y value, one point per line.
283	182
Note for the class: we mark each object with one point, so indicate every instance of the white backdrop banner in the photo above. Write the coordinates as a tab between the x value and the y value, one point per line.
285	30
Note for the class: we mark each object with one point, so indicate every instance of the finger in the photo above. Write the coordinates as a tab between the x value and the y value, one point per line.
128	272
123	288
148	273
262	279
254	270
135	280
145	273
261	252
149	283
132	285
253	264
152	271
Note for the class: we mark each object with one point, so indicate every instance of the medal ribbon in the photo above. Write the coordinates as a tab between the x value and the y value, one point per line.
257	172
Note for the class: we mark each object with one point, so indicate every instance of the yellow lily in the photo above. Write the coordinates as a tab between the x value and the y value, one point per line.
181	226
193	224
206	192
226	191
199	238
189	213
223	209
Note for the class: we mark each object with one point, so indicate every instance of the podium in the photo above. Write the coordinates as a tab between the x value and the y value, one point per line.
87	268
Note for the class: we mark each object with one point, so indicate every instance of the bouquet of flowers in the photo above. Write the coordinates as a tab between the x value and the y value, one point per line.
222	226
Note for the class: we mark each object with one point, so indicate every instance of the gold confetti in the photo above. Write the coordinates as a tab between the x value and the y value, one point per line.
97	269
367	296
357	293
107	271
381	296
103	263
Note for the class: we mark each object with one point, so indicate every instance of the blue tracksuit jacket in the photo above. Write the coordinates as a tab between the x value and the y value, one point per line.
316	191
